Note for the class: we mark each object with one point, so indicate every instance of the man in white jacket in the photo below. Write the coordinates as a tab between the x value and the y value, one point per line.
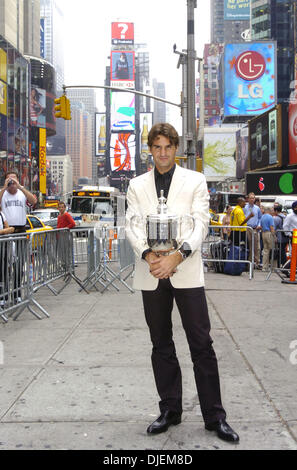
177	276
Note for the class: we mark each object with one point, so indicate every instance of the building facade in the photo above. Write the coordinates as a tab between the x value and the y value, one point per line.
276	19
52	20
32	27
225	27
87	98
61	179
14	119
78	143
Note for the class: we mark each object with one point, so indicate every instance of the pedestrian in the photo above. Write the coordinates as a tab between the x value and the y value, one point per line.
64	218
5	229
290	222
238	223
253	231
268	236
177	276
282	239
226	221
13	199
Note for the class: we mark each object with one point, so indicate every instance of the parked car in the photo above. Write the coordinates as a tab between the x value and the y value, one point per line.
48	216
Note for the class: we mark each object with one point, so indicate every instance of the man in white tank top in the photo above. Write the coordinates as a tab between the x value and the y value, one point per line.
13	198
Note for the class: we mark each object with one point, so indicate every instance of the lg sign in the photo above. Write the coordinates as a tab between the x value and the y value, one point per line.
250	65
249	71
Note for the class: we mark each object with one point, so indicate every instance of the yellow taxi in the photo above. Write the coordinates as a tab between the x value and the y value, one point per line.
216	219
34	224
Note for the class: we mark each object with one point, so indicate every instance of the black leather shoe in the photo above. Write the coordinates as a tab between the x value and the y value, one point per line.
224	431
164	421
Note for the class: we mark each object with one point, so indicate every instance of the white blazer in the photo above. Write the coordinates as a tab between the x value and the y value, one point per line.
188	194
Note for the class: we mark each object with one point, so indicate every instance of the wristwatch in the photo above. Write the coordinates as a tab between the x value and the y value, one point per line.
185	250
182	253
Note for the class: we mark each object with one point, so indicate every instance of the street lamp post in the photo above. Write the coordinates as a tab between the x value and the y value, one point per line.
191	114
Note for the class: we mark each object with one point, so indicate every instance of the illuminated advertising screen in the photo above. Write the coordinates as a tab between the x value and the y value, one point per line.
265	140
122	69
249	78
100	134
242	152
122	151
37	107
293	133
219	153
238	10
122	33
122	111
272	182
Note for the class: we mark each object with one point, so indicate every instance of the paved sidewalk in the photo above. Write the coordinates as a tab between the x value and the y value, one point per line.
82	379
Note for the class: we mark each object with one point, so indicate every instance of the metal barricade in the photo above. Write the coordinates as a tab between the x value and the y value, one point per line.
127	265
105	265
14	274
219	247
280	256
32	261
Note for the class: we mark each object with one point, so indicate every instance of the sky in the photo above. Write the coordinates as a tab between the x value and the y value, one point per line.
159	23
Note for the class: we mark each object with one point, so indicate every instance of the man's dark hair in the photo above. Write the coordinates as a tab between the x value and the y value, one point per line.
278	207
240	199
13	171
166	130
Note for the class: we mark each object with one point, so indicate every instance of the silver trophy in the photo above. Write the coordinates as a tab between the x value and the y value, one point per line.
165	232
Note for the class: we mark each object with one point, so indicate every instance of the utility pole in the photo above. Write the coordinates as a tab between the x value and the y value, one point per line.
191	114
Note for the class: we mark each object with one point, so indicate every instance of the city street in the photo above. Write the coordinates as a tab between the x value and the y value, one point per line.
82	379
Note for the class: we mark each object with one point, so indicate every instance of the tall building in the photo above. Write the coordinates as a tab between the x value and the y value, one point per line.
211	56
61	175
159	107
32	27
78	143
228	26
12	23
51	22
275	19
87	97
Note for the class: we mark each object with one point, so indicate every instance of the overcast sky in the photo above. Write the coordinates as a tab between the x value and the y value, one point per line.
159	23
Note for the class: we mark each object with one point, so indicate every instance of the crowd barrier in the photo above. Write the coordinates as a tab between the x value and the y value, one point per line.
280	258
32	261
219	248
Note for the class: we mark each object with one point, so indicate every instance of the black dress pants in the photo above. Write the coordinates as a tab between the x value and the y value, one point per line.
192	306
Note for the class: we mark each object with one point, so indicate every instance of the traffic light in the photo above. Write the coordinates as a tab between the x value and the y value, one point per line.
62	108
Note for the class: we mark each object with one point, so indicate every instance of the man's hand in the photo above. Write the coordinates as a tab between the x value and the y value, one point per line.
163	267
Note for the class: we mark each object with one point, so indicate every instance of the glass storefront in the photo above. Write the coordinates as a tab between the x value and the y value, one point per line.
14	124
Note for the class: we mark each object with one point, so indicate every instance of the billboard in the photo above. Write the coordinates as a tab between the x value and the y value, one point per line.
272	182
219	153
122	69
265	140
42	160
122	33
37	107
249	78
100	134
122	151
122	111
242	152
293	133
238	10
145	124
